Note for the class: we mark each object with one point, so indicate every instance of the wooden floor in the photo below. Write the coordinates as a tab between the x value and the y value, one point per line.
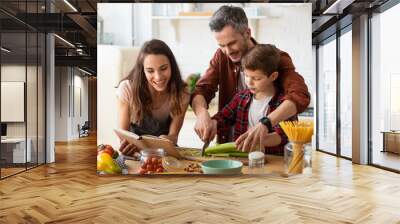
10	171
386	159
69	191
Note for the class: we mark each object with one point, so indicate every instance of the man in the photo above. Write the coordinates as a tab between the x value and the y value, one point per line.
231	31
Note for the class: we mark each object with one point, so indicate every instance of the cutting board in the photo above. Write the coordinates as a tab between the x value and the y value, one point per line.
194	155
134	167
245	161
146	142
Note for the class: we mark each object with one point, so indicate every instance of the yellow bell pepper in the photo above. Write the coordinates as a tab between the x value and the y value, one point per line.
106	164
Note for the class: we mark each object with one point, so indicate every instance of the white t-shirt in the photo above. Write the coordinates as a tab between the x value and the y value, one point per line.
258	109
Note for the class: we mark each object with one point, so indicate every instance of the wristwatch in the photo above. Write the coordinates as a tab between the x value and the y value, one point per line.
267	122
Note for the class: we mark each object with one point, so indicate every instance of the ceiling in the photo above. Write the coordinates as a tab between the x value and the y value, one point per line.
75	21
332	15
76	25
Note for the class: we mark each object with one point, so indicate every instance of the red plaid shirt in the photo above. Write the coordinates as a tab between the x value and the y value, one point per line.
236	114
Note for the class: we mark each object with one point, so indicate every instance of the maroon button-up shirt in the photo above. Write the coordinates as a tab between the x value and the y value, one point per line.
223	74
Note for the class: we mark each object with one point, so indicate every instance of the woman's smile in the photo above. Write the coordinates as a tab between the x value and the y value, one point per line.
160	84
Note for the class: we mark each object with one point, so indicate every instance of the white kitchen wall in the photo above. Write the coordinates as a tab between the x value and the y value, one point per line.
113	64
288	26
117	24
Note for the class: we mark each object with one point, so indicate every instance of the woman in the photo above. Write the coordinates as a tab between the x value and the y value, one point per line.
153	99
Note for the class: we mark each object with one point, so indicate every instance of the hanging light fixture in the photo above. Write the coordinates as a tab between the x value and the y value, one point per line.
64	40
84	71
70	5
5	50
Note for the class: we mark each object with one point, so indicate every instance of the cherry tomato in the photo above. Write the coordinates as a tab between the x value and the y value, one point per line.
108	149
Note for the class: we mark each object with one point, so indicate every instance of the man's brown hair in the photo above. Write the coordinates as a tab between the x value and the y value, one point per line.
264	57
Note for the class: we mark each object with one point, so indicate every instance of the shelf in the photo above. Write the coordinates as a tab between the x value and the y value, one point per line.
196	17
174	22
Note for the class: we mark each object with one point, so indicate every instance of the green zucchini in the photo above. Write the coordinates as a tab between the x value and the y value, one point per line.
221	148
225	149
239	154
231	154
220	155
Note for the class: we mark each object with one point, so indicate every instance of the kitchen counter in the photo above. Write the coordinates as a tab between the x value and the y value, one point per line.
273	165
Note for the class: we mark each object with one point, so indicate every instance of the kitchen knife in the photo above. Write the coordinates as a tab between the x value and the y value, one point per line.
206	144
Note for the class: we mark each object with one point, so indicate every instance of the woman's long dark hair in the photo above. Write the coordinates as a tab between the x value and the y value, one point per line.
141	97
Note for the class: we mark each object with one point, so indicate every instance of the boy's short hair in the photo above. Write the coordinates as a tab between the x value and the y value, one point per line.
264	57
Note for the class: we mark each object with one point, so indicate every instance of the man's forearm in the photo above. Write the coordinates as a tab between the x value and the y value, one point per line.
199	104
286	110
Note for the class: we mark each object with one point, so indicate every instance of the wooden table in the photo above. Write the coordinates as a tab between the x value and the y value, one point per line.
274	165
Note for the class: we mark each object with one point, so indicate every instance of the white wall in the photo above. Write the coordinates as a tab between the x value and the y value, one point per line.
17	73
117	19
288	26
107	71
61	103
84	84
14	73
13	101
142	28
68	81
34	125
113	63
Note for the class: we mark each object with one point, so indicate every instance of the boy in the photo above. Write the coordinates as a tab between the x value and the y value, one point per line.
252	105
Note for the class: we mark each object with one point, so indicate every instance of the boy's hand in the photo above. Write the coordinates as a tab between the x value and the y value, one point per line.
252	138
